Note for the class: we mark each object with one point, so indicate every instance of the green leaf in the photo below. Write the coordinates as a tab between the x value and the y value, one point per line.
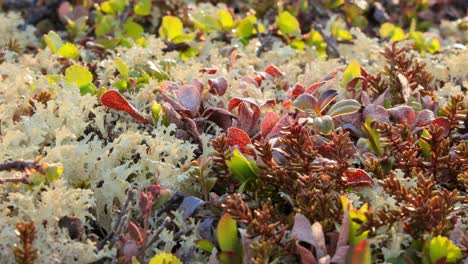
227	233
344	107
157	113
69	50
288	24
142	8
114	6
324	124
244	169
207	23
245	29
205	245
133	29
354	238
227	22
442	247
53	41
298	44
88	89
372	136
104	25
171	27
352	71
122	68
424	145
433	45
79	75
189	53
316	39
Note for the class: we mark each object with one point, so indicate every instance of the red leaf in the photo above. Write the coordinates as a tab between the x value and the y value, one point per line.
358	177
218	86
249	112
270	120
444	123
135	232
238	137
115	100
274	71
311	89
258	80
208	70
297	90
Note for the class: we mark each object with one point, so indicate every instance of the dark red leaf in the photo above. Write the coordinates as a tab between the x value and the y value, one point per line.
114	100
270	120
358	177
274	71
245	119
444	123
208	70
218	86
238	137
284	121
423	118
249	112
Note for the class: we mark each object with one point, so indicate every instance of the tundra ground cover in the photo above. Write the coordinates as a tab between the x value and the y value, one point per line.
172	132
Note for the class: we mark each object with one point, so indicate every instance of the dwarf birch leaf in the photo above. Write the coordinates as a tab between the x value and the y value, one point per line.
142	8
122	67
171	27
226	20
53	41
352	71
78	75
69	50
133	29
246	26
288	24
442	247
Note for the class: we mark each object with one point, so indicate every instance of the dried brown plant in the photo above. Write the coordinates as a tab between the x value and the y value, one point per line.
422	208
25	253
400	63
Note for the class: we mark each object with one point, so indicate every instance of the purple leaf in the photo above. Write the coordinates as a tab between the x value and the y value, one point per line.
377	112
218	86
189	205
402	114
